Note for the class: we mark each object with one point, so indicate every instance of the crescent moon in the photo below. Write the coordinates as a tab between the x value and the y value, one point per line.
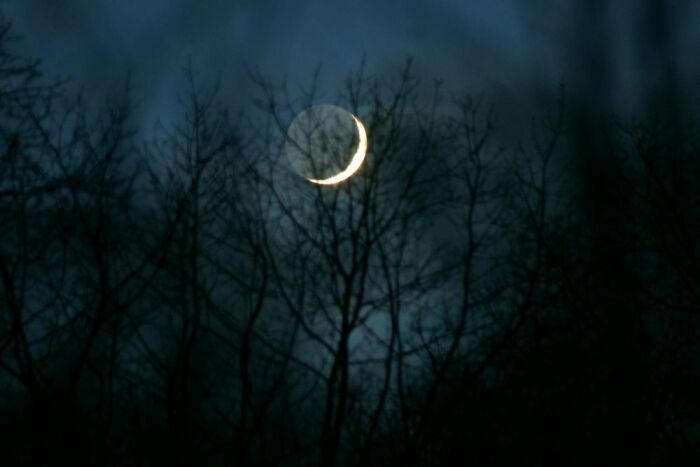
355	163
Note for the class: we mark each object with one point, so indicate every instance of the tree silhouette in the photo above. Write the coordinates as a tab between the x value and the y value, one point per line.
185	297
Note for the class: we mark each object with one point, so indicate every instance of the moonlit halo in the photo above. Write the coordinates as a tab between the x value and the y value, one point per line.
355	163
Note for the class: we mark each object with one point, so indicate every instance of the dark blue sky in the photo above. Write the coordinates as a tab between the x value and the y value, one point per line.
509	50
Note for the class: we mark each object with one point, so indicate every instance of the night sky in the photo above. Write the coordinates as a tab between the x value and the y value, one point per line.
496	49
505	272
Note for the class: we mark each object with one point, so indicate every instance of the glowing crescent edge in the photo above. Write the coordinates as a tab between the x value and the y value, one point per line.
355	163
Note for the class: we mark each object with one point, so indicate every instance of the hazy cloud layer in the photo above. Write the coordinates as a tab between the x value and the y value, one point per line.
496	48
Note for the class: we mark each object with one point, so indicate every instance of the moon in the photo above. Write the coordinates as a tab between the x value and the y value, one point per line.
321	141
355	163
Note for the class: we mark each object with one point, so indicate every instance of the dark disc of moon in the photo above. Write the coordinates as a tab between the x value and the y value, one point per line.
320	141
